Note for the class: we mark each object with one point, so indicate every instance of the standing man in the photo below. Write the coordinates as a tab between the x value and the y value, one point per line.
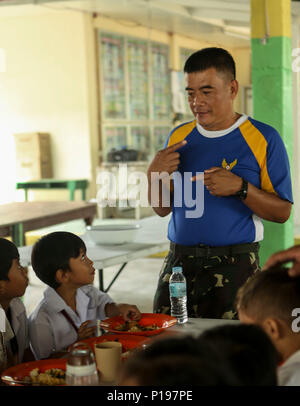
245	172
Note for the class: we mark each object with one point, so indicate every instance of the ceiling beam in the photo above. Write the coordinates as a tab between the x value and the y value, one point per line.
164	5
237	5
206	12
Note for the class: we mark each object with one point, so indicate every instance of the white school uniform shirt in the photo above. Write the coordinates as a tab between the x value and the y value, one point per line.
50	331
6	334
289	372
19	323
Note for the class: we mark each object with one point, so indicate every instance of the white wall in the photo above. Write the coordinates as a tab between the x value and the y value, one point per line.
45	89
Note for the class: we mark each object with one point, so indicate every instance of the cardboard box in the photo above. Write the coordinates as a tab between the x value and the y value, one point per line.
33	156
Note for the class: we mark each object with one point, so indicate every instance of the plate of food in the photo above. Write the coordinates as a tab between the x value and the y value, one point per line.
129	342
48	372
148	325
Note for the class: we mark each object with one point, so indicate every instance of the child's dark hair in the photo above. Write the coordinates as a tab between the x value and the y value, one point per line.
271	293
206	58
8	252
53	252
249	351
178	361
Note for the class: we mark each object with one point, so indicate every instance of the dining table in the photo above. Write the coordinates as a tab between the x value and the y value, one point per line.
196	326
19	217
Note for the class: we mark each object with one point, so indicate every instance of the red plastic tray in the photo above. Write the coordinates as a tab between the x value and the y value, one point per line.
20	371
163	321
129	342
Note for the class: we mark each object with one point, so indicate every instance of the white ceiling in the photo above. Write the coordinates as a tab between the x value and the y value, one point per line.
225	22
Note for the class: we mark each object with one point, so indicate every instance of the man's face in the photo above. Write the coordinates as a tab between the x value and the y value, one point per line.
210	96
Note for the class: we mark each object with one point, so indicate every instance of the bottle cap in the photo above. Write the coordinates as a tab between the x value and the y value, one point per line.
177	269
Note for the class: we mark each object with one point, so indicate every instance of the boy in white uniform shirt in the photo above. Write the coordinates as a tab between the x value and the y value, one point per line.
6	334
71	303
269	299
13	283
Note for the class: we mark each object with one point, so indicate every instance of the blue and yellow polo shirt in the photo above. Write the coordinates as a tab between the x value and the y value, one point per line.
252	150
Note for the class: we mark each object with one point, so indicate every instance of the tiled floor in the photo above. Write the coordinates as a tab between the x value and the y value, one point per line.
136	284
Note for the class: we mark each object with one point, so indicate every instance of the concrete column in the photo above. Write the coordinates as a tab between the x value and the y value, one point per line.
271	46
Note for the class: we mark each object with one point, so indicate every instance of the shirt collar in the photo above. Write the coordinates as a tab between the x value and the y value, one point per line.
54	301
57	304
17	307
293	359
220	133
82	303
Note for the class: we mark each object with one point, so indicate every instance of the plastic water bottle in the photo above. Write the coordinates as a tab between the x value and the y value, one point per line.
177	287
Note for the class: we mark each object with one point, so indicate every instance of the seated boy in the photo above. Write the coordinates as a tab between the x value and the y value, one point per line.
171	361
6	334
269	299
248	350
70	302
13	283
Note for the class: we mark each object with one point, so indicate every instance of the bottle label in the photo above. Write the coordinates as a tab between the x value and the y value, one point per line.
80	370
177	289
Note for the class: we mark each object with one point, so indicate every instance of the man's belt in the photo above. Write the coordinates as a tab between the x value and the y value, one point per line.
207	251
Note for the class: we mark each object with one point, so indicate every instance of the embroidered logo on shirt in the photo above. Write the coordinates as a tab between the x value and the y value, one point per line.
229	166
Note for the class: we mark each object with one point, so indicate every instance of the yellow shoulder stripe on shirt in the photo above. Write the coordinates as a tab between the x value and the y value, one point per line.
258	145
181	133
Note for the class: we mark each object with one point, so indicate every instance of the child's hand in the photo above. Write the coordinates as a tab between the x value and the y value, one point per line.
85	332
129	312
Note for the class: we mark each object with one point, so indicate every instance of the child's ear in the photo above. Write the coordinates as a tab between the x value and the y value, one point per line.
273	328
62	276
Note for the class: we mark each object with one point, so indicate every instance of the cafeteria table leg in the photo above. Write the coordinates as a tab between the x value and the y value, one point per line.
18	235
115	277
101	285
72	188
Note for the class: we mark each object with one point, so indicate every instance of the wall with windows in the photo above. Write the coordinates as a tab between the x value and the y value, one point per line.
135	85
52	84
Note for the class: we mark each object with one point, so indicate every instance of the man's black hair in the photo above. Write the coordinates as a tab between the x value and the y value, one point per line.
248	349
207	58
8	252
53	252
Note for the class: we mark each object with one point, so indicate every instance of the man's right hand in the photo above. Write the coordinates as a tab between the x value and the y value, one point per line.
166	160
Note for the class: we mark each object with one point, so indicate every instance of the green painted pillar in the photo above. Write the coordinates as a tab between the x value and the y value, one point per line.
271	46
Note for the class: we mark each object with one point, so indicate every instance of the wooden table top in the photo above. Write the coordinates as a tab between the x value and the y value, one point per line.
44	212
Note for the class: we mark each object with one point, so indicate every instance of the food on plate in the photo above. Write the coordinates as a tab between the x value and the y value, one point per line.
53	376
134	326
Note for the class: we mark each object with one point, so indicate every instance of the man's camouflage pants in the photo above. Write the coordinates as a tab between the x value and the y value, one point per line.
212	283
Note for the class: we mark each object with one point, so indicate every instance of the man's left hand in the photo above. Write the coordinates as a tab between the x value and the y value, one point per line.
221	182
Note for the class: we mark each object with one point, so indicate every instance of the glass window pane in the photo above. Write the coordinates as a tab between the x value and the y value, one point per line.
160	137
138	78
115	138
184	54
140	140
161	92
113	77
